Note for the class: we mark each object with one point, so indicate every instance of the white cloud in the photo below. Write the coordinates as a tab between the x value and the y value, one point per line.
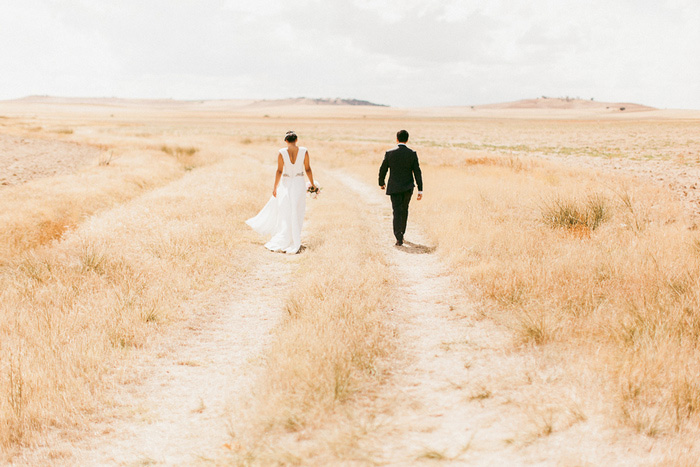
400	52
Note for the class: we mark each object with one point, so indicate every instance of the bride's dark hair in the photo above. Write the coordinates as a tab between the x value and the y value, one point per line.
290	137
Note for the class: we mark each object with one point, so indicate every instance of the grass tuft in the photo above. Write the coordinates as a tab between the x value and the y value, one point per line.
535	329
105	158
580	217
178	151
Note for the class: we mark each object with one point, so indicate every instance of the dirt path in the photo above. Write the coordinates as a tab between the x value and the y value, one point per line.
462	394
171	398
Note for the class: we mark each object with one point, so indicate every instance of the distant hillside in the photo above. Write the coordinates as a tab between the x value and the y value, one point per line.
214	103
98	101
567	103
313	101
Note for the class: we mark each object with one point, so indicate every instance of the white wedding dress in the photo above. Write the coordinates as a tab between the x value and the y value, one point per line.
283	216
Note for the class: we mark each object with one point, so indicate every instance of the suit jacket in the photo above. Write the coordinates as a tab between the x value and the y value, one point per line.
402	164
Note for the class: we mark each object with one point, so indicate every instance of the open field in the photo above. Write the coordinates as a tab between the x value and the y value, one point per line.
548	311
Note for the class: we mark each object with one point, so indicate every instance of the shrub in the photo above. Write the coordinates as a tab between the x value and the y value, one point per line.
178	151
575	215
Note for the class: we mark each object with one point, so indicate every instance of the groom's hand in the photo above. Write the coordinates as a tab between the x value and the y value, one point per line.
382	187
419	197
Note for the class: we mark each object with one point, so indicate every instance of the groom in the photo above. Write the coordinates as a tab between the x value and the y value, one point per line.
402	163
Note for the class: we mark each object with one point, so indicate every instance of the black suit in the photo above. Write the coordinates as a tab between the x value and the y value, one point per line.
403	167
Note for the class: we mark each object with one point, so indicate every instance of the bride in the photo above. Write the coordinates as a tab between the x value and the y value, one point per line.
283	215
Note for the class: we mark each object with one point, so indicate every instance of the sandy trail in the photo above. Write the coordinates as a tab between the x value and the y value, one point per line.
171	399
461	393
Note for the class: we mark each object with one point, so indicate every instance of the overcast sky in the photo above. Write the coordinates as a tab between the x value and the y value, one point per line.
396	52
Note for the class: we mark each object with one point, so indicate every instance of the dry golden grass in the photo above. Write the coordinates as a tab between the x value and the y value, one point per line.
621	287
136	156
326	354
614	278
70	309
36	213
77	292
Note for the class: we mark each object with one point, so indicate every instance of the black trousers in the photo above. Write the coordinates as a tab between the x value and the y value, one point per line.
399	203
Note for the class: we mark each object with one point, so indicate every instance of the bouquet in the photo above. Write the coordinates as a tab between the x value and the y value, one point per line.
313	190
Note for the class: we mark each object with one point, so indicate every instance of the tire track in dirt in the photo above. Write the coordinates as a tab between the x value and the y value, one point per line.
461	392
171	399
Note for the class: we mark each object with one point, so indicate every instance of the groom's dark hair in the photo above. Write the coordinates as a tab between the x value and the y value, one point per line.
402	136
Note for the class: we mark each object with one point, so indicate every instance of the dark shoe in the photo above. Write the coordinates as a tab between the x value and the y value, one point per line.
399	242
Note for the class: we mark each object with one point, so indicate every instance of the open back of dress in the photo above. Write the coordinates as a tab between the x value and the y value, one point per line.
283	216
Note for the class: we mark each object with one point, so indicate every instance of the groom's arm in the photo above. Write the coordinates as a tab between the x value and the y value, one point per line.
418	176
382	171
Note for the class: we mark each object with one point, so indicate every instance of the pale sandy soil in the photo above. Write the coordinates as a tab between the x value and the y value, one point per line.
461	392
23	158
171	400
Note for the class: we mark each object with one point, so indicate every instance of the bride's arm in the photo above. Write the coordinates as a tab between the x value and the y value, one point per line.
278	175
307	166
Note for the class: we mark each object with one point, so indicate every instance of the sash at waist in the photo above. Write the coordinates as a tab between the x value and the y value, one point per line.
300	174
